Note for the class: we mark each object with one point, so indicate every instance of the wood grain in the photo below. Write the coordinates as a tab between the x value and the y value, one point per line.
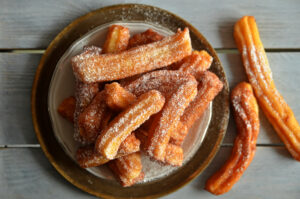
38	22
17	73
32	176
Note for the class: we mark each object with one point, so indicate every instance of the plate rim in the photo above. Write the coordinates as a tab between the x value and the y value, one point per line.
38	129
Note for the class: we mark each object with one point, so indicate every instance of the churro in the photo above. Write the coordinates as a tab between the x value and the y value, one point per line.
127	121
179	134
90	120
128	169
195	64
91	67
67	108
208	88
87	157
146	37
118	98
259	74
246	116
116	39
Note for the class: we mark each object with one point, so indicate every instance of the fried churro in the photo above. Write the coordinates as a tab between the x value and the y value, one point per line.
246	116
67	108
91	67
127	121
146	37
259	74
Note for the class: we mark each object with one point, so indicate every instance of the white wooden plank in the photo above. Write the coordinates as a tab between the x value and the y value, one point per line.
17	73
272	174
16	77
37	22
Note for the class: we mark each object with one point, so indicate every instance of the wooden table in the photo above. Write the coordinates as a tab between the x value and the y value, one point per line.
27	27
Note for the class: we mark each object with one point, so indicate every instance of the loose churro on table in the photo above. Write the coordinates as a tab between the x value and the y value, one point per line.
259	74
91	67
87	157
108	142
246	116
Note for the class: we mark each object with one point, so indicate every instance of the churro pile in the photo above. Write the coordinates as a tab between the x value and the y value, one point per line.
139	93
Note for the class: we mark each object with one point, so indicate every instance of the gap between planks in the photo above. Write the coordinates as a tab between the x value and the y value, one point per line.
218	50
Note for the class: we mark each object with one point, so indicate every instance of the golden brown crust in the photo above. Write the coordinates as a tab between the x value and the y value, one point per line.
259	74
247	120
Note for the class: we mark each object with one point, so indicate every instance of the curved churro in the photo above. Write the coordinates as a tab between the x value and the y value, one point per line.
208	88
259	74
91	67
179	89
116	39
87	157
246	116
127	121
128	169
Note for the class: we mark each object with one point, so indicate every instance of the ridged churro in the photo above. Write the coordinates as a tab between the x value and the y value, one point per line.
116	39
91	67
259	74
87	157
127	121
246	116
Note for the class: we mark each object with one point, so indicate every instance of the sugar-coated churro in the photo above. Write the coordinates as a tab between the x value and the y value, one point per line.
259	74
116	39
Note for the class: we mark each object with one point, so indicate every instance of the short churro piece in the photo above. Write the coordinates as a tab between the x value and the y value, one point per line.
91	67
118	98
116	39
246	116
259	74
84	93
90	120
208	88
87	157
127	121
195	64
67	108
146	37
128	169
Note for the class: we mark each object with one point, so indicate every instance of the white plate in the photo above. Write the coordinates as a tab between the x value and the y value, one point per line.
62	86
